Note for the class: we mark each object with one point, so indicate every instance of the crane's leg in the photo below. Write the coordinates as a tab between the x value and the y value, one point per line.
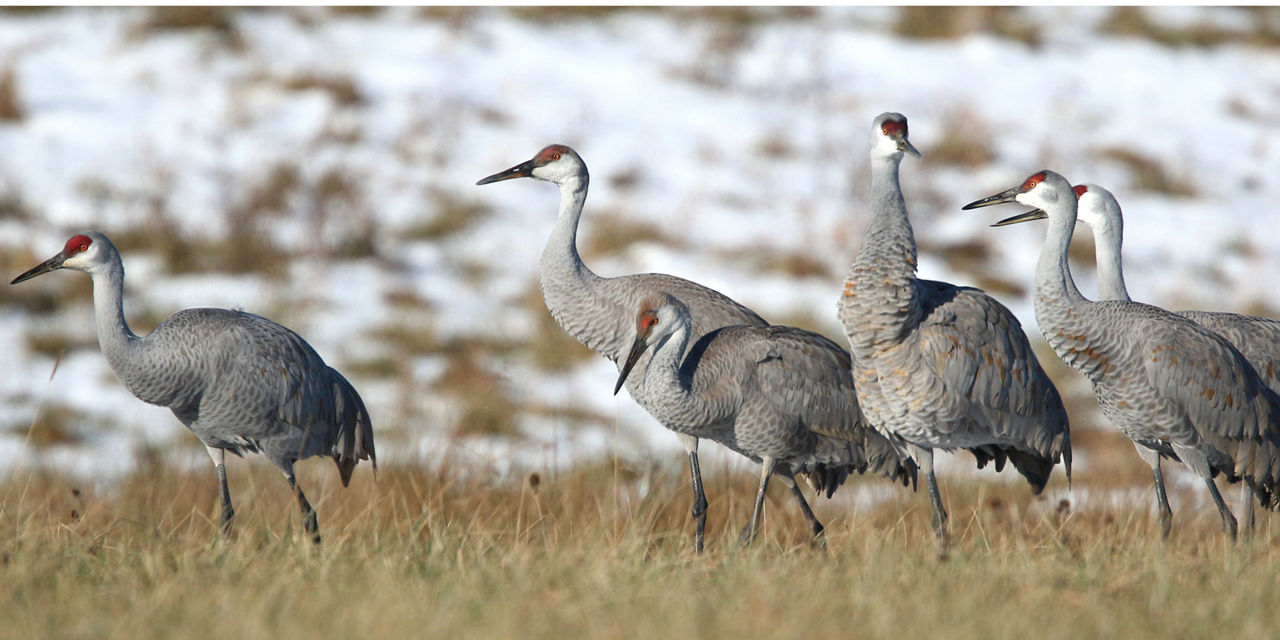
309	520
1246	503
699	498
749	532
1196	460
1228	520
1152	458
924	460
819	540
219	457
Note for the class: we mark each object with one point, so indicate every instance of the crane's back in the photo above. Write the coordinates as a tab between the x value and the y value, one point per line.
245	383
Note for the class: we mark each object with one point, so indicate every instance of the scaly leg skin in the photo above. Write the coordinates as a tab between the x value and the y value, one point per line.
749	531
219	457
699	498
309	520
924	460
1246	503
1228	520
1152	457
819	539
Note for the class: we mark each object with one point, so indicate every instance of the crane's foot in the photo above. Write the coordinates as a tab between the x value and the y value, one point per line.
227	522
1229	528
943	536
819	540
747	534
1166	524
312	525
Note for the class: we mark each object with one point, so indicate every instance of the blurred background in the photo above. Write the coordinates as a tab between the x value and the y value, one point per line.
317	166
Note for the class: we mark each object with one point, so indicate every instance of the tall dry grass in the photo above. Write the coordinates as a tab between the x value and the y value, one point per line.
450	551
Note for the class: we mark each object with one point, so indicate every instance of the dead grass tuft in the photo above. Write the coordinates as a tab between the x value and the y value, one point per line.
450	213
948	22
613	233
218	21
54	343
54	425
486	404
11	107
795	264
341	88
965	141
1149	174
1134	21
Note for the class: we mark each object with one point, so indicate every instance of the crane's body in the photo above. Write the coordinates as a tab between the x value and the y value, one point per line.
939	366
240	382
781	396
1257	339
599	311
1175	388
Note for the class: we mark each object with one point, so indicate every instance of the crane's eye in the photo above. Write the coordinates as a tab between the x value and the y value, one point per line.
555	156
649	320
84	246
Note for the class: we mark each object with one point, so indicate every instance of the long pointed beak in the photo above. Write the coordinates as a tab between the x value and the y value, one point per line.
522	170
52	264
999	198
1034	214
637	350
906	146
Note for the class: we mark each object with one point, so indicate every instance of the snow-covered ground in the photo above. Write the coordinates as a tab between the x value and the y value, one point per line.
741	142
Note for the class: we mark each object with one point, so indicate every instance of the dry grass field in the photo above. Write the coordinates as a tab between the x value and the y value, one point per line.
338	172
605	552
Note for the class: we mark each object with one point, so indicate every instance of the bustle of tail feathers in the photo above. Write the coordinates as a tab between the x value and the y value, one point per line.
354	439
1268	496
836	459
825	479
1035	467
887	460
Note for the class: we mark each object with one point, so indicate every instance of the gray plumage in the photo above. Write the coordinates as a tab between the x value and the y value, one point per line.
779	395
938	366
1257	339
240	382
600	312
1175	388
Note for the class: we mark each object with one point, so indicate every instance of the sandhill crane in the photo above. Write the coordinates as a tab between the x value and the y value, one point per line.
779	395
240	382
599	312
1175	388
1257	339
939	366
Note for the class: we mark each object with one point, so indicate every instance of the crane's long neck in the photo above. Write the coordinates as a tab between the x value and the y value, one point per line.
1056	295
1107	240
880	301
119	344
573	293
673	402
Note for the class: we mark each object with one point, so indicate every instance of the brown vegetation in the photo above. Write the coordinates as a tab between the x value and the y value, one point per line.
603	551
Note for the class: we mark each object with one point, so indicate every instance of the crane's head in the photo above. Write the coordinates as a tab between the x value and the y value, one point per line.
82	252
1098	209
1043	190
660	315
889	136
555	163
